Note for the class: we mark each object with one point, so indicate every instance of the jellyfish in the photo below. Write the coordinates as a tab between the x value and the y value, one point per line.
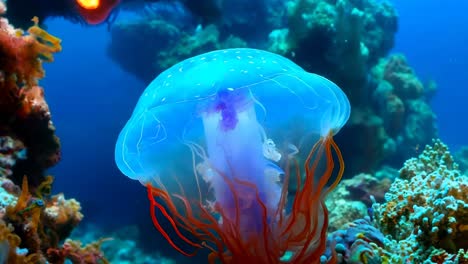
218	141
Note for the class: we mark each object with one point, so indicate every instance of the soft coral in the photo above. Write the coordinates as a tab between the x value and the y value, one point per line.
21	57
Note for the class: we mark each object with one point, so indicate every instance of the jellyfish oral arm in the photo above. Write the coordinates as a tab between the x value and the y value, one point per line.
235	153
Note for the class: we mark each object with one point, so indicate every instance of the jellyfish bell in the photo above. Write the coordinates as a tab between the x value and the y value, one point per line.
219	137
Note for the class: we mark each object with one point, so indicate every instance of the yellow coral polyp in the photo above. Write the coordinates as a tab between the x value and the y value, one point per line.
45	187
48	44
8	236
89	4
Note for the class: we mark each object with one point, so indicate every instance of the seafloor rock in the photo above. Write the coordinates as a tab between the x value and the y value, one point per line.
426	210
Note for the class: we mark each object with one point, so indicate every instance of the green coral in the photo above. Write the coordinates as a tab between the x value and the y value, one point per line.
426	208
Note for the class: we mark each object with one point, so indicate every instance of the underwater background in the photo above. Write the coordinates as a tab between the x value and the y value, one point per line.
93	84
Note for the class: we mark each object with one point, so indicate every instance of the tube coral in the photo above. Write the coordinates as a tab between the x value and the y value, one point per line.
217	139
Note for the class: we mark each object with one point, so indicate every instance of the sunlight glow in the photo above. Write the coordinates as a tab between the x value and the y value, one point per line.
89	4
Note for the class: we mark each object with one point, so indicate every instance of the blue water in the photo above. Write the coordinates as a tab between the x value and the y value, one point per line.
434	36
91	98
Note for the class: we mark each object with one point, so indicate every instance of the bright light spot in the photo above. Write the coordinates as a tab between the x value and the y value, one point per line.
89	4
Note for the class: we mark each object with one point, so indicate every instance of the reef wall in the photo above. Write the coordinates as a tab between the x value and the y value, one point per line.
33	222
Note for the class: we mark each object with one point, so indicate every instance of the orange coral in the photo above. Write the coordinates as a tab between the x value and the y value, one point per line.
24	54
12	241
21	63
63	211
23	199
61	216
33	100
45	187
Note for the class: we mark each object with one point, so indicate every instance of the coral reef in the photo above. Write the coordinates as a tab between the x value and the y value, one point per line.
24	114
402	103
30	225
32	221
356	242
352	199
425	214
395	123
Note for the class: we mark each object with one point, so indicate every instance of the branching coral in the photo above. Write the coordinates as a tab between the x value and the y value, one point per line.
427	207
